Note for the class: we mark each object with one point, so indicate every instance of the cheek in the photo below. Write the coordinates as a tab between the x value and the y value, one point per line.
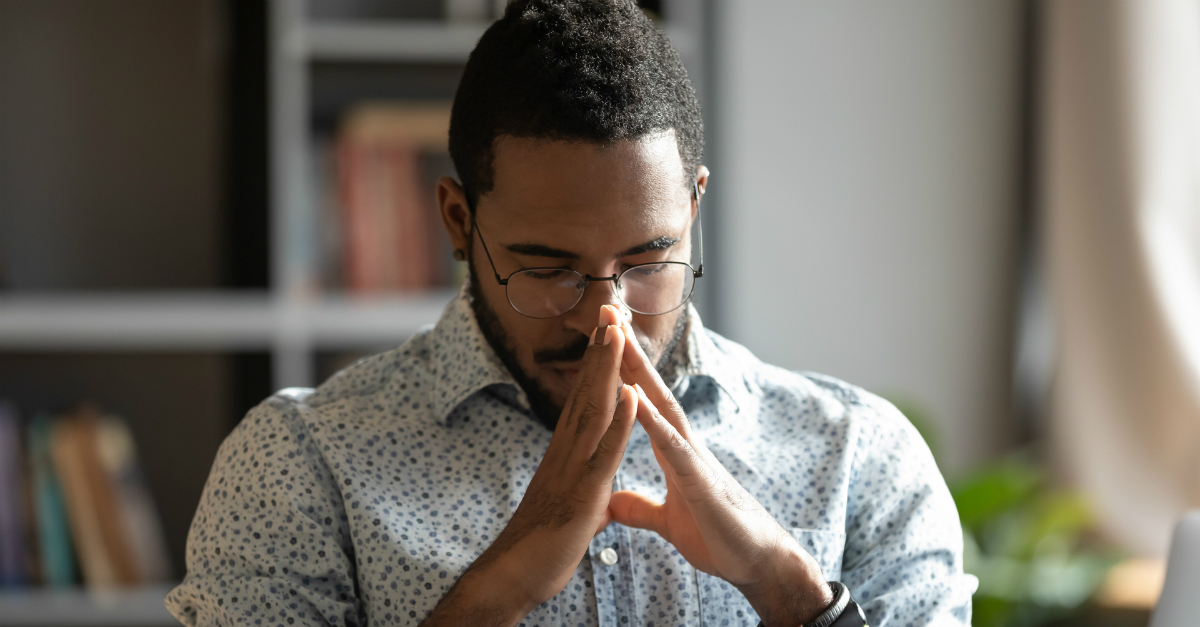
658	330
524	335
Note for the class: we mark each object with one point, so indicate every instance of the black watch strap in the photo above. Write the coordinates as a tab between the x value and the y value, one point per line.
852	616
843	612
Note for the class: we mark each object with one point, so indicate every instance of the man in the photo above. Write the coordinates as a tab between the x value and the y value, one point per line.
568	445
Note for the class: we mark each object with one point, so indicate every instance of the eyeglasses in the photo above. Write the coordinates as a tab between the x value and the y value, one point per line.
650	289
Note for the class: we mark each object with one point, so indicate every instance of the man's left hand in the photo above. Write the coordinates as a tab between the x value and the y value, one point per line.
714	523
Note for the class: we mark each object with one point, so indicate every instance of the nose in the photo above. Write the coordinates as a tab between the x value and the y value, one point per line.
586	314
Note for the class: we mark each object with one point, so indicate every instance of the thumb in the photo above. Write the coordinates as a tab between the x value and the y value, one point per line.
604	521
634	510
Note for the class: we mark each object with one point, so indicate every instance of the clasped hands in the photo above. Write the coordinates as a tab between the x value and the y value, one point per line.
714	523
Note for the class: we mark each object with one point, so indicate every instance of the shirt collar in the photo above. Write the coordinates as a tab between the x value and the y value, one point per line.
699	356
464	362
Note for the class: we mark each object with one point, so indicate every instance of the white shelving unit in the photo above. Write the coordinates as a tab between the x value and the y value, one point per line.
226	321
297	42
404	42
135	607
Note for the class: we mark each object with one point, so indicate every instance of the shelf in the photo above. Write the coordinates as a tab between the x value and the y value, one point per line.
38	607
209	320
417	41
397	42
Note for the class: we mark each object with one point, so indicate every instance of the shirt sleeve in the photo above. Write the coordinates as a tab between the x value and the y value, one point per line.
903	554
270	543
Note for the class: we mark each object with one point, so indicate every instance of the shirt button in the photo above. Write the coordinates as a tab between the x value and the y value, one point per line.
608	556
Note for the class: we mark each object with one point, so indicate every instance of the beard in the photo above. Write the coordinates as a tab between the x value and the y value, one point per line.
544	408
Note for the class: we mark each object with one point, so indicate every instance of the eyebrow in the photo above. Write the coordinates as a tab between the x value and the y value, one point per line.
659	243
538	250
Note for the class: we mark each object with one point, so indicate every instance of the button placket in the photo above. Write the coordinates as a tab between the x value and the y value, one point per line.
606	602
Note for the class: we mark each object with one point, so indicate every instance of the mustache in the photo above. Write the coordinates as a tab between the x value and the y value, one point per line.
571	352
576	350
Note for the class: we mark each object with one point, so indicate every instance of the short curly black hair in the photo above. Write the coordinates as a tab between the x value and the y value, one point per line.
589	70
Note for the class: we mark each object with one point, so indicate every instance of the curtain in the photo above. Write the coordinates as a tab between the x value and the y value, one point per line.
1119	187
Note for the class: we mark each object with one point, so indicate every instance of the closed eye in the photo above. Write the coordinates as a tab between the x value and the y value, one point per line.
547	274
647	270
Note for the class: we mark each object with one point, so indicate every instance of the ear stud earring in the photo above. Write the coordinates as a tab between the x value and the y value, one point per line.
459	255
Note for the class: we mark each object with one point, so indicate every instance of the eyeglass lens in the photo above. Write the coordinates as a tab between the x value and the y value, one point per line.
650	289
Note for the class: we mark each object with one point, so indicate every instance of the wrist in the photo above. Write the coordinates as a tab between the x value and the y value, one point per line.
489	588
792	591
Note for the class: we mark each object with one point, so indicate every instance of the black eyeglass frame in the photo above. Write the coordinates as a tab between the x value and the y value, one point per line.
615	278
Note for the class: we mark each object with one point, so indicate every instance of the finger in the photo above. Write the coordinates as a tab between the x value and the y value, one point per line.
611	448
697	444
565	419
688	468
605	519
668	474
584	379
640	368
598	390
644	374
634	510
664	400
635	359
610	314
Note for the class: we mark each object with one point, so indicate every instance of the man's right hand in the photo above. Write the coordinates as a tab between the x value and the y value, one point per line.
566	503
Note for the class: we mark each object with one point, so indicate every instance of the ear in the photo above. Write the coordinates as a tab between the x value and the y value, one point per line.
456	214
701	181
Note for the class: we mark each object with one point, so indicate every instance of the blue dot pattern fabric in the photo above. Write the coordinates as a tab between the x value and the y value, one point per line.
362	501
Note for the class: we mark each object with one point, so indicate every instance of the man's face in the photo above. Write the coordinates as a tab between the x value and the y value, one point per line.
594	209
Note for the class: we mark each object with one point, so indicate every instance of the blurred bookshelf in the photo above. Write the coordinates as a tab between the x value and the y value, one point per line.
180	320
138	607
222	320
394	42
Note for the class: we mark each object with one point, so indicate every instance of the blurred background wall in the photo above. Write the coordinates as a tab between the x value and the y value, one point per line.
116	107
870	181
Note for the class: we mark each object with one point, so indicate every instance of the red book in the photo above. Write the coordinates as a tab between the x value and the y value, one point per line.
389	217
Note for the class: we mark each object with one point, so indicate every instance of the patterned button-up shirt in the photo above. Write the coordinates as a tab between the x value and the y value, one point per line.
362	501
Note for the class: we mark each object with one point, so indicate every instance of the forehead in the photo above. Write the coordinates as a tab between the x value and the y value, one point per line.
559	188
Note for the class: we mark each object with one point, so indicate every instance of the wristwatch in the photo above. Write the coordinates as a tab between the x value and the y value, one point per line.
844	612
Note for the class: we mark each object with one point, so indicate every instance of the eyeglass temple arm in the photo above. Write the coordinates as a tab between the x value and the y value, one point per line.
699	228
475	229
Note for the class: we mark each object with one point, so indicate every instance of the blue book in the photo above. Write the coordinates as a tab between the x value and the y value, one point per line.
13	571
54	537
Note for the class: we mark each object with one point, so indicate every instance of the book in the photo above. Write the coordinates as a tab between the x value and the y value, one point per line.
13	567
74	499
390	223
140	522
104	551
33	554
54	539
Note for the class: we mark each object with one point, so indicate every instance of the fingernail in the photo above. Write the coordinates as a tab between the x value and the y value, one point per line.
609	332
593	336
